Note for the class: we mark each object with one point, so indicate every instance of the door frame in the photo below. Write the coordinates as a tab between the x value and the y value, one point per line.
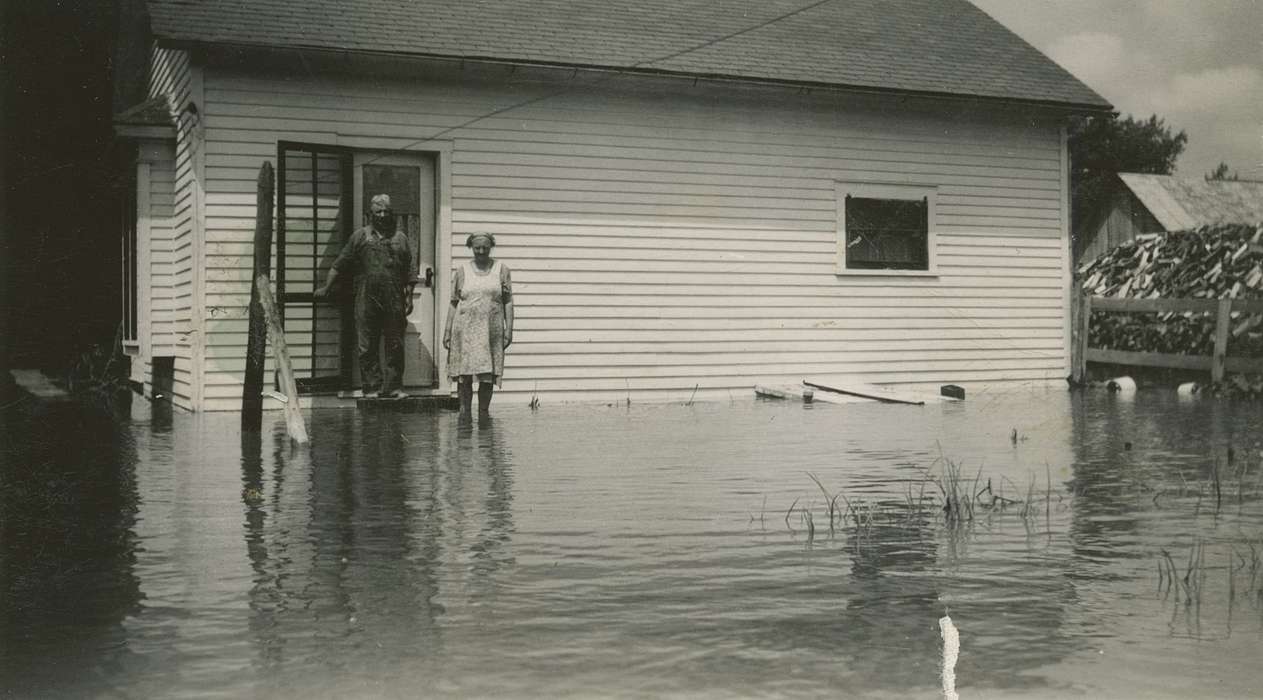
408	159
441	151
347	146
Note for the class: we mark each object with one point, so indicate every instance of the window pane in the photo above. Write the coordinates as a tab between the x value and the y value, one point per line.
886	234
313	218
403	184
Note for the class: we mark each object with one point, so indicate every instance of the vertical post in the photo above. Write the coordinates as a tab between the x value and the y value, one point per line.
346	308
1072	300
1223	320
1081	333
315	260
163	385
256	348
280	354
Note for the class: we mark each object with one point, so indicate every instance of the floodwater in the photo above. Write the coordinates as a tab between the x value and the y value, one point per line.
641	551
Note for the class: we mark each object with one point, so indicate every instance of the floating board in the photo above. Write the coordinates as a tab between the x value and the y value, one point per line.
876	393
795	393
778	392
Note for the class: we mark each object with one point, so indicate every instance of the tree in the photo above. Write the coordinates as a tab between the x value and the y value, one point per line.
1101	147
1221	173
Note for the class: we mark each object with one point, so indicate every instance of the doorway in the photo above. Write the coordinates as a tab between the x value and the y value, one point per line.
410	181
322	196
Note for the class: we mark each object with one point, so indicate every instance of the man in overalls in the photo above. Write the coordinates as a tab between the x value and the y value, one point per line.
380	258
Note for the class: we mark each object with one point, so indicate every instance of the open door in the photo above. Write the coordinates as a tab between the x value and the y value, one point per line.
410	181
313	221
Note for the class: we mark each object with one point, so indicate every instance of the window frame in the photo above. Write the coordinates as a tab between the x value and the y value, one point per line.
135	261
895	191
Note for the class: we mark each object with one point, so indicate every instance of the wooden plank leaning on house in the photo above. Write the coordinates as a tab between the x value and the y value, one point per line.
280	352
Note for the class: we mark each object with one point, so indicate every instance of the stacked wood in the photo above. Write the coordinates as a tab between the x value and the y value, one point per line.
1223	261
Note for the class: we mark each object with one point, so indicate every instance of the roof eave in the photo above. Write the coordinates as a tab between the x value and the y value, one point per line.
1065	108
145	131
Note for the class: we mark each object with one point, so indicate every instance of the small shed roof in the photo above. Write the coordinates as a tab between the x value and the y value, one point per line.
1180	204
149	119
944	47
152	112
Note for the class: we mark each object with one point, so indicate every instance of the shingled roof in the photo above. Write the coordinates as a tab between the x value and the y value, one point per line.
1184	204
945	47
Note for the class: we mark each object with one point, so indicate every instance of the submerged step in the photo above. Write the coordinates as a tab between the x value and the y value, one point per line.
411	404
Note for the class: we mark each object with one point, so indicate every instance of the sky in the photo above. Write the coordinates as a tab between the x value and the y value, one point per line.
1198	64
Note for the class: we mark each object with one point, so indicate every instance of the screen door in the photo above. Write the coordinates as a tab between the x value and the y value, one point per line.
313	221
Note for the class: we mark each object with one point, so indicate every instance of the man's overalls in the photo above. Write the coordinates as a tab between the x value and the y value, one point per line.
379	309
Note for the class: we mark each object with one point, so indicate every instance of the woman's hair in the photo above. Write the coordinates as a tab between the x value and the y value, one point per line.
469	242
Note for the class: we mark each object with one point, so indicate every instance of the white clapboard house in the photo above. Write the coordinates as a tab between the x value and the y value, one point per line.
692	195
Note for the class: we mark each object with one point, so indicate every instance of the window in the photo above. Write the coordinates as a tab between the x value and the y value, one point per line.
885	229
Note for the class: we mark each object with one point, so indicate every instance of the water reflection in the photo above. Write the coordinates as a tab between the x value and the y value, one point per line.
893	603
638	551
1165	480
68	503
347	540
479	484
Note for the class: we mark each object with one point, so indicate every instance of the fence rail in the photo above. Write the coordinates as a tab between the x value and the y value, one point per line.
1218	363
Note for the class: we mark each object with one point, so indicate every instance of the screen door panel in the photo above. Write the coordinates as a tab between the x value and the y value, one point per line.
312	226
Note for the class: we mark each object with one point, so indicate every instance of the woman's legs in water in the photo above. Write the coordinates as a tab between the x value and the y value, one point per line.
465	392
484	397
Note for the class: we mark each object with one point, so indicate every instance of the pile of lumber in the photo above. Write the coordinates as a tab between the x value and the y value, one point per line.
1212	262
1222	261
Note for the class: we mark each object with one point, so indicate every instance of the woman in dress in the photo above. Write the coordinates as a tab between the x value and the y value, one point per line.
480	324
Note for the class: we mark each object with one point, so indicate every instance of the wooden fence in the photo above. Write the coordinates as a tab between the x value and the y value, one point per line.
1218	364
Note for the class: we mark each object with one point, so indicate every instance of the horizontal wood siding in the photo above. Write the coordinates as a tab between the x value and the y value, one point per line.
662	240
164	326
160	273
172	323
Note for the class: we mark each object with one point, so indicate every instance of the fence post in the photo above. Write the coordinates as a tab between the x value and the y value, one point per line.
1079	336
256	343
1218	361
